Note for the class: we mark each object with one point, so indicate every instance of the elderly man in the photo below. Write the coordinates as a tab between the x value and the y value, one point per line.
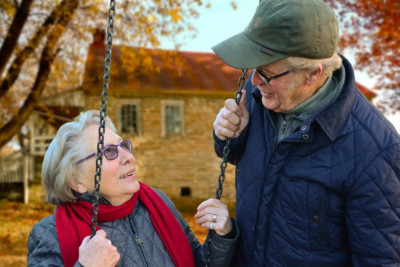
317	166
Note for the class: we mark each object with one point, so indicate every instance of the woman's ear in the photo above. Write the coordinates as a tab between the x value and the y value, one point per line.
78	187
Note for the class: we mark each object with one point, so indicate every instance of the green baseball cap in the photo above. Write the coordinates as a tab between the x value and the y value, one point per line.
282	28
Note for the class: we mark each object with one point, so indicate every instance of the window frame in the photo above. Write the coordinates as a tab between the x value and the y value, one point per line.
180	104
133	102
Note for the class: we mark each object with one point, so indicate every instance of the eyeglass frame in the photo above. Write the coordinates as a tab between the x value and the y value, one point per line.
119	145
267	80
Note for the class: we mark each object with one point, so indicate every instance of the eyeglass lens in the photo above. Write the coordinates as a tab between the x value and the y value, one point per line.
111	151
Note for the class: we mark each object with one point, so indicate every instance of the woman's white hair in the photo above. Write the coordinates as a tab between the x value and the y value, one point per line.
59	167
329	65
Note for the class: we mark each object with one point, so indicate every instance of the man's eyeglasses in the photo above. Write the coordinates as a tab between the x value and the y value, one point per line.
267	80
111	151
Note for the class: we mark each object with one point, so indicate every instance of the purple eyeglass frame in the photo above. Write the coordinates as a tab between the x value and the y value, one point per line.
119	145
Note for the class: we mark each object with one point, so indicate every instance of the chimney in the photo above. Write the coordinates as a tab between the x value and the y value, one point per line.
99	37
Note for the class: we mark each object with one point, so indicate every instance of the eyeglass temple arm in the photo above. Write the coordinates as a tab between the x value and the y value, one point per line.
88	157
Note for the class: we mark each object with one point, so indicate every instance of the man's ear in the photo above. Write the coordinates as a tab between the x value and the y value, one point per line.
78	186
314	76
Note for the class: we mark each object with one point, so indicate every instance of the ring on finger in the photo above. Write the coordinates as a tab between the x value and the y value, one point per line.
211	225
214	218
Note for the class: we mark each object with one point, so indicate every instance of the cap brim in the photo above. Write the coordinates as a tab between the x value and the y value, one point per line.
240	52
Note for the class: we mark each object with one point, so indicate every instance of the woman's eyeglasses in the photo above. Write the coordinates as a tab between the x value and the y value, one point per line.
111	151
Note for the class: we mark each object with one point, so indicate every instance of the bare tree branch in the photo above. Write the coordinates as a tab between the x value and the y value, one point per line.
14	32
48	55
15	67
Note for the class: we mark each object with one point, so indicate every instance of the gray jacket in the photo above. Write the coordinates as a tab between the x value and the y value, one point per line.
136	239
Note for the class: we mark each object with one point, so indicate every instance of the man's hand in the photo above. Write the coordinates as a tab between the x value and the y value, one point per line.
232	118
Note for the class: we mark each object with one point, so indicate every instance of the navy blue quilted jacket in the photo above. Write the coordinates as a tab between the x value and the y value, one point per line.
327	195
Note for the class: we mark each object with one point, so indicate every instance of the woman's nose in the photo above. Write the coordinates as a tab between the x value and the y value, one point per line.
126	157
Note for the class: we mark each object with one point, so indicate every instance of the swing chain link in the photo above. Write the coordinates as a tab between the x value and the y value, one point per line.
103	115
224	163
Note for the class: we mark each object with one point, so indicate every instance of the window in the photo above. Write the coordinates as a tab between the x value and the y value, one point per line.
172	117
129	116
129	119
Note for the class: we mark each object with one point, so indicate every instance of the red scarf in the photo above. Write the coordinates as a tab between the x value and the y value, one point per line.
73	225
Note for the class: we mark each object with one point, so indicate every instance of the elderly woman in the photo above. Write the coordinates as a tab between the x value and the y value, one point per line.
138	225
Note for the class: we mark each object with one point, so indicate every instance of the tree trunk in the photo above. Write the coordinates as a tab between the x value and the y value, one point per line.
48	55
14	32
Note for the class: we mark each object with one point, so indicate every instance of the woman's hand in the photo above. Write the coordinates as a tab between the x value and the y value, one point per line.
214	215
98	251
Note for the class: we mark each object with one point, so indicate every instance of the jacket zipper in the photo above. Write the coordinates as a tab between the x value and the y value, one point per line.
277	133
139	241
274	192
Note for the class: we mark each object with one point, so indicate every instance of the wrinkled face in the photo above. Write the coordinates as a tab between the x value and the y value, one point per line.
118	178
284	93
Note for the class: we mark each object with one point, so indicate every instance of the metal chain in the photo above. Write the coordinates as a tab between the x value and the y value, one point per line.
224	163
103	115
226	150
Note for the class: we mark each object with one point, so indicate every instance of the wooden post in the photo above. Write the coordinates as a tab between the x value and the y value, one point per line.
25	181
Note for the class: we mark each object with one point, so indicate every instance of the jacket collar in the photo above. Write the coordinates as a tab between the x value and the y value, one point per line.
333	118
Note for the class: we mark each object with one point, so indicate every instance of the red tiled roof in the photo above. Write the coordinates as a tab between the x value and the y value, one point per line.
184	72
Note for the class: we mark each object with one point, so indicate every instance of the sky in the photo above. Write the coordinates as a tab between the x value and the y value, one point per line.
217	23
221	21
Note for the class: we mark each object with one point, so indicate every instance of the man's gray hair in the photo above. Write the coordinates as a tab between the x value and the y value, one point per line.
329	65
59	167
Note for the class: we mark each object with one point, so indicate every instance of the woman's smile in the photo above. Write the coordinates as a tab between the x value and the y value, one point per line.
131	175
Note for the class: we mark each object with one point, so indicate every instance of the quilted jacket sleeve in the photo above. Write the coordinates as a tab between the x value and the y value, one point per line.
373	212
43	247
235	149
